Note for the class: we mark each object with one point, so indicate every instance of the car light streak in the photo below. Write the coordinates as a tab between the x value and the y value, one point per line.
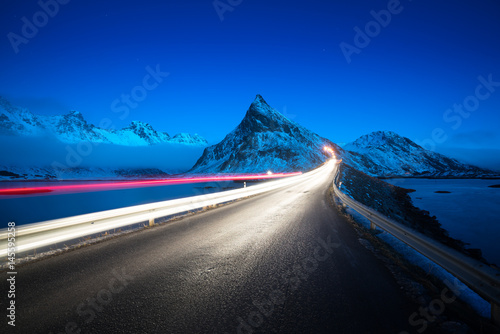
146	183
50	232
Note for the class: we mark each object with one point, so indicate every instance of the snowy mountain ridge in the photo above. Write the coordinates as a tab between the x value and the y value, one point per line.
73	128
266	140
387	154
377	139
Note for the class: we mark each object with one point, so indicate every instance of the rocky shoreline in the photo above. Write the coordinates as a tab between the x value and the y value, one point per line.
394	202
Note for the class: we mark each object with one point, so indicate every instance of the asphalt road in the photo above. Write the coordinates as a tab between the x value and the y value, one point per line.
281	262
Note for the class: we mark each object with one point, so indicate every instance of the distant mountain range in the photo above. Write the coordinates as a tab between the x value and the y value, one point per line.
265	140
73	128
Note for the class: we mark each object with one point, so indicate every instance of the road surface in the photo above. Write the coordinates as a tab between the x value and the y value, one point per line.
281	262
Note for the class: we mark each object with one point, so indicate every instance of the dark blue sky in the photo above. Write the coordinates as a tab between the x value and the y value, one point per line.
425	60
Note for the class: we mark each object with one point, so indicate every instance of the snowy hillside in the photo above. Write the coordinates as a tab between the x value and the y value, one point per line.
264	140
68	147
72	128
386	154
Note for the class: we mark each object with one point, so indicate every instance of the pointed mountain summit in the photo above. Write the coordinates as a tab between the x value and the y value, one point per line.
261	117
387	154
264	140
260	108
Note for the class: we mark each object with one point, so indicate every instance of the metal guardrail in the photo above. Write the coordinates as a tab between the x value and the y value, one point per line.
32	236
481	278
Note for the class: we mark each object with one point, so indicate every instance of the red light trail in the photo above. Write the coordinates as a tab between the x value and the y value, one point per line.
138	184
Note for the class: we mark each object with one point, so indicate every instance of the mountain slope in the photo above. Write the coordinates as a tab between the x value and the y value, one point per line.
264	140
387	154
72	128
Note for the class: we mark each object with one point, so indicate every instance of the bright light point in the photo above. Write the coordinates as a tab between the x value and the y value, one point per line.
269	172
329	150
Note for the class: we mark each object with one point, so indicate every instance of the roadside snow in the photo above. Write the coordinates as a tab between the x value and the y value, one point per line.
481	306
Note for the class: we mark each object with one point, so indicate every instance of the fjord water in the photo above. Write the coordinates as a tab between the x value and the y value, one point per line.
60	204
470	212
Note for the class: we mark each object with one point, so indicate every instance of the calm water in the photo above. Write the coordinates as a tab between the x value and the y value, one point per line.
37	208
471	212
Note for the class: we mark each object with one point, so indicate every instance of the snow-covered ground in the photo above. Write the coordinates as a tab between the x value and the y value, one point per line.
470	212
481	306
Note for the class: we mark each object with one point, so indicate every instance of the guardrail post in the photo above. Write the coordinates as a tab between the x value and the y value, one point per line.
466	269
151	221
244	184
495	313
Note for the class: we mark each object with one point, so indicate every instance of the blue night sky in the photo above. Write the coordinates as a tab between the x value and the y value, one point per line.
405	78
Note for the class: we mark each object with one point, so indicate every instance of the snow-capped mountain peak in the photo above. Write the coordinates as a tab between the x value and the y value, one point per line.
76	114
139	133
72	128
143	130
15	120
385	153
260	106
264	140
189	138
380	139
139	125
262	111
375	139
